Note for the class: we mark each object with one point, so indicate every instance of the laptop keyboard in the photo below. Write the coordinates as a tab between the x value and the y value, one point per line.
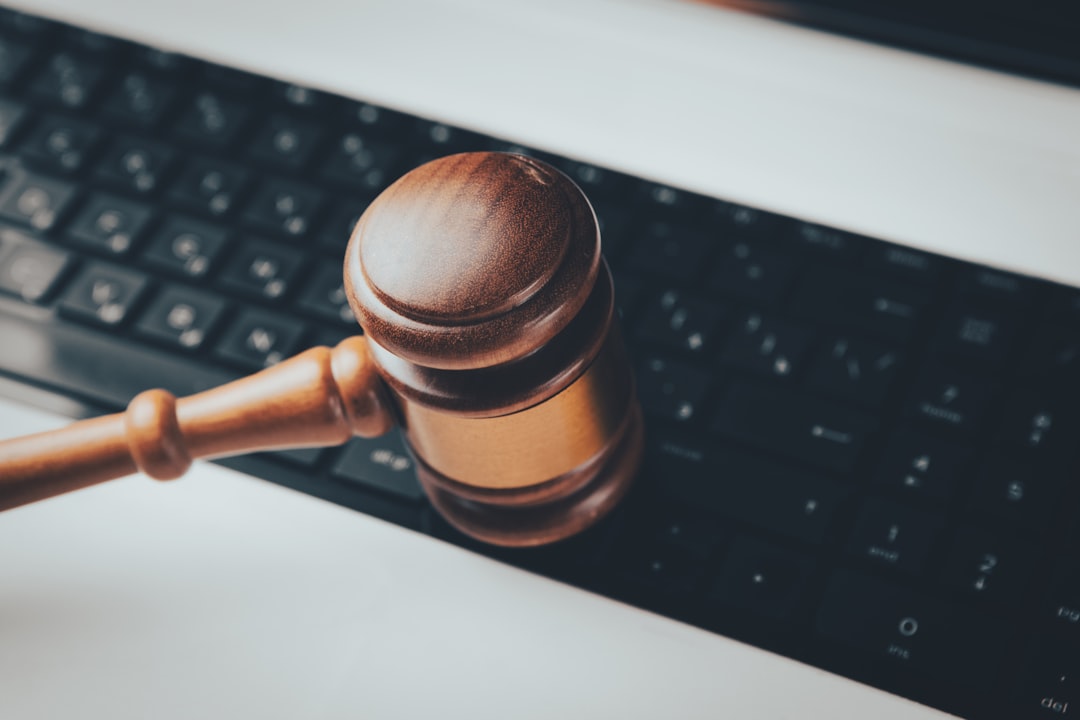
859	455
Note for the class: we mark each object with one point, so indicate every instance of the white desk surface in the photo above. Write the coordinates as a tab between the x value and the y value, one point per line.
220	596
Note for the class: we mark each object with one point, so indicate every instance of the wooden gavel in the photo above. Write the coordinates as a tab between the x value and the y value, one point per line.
490	337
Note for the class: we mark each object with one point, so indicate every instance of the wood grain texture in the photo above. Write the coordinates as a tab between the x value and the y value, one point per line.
472	260
490	334
320	397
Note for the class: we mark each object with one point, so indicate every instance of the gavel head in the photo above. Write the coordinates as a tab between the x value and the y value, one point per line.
489	313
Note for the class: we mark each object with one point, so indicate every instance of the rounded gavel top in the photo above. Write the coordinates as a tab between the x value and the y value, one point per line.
479	282
472	261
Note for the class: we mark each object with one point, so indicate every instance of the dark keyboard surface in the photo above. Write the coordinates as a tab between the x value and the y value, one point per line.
859	455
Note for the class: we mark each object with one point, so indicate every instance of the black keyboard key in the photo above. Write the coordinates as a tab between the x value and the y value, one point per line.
109	224
826	243
684	529
856	371
256	339
181	317
103	294
752	271
680	324
261	270
877	306
1051	690
902	629
301	98
1064	615
1052	359
323	296
381	464
658	561
233	82
13	117
140	99
36	201
994	288
134	165
436	139
922	467
893	536
90	43
744	488
946	399
28	27
796	426
285	142
337	230
663	199
762	579
676	251
595	181
171	65
616	227
905	263
766	346
30	269
185	248
1015	494
670	389
977	337
1040	429
1064	304
212	120
628	295
745	223
69	80
14	60
362	164
61	145
303	457
209	186
986	567
284	207
372	118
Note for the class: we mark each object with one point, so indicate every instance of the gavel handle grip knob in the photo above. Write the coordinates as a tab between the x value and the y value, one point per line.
320	397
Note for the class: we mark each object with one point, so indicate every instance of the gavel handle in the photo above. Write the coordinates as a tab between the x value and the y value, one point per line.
320	397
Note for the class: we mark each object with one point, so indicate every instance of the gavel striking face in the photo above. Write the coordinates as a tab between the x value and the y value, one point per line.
490	337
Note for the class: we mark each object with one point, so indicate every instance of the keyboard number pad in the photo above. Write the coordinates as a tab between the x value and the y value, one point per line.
893	536
948	400
983	567
904	629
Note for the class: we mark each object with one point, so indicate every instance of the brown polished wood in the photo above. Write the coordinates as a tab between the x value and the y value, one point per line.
320	397
473	260
490	336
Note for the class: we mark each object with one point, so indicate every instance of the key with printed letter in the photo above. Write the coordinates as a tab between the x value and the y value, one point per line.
805	428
